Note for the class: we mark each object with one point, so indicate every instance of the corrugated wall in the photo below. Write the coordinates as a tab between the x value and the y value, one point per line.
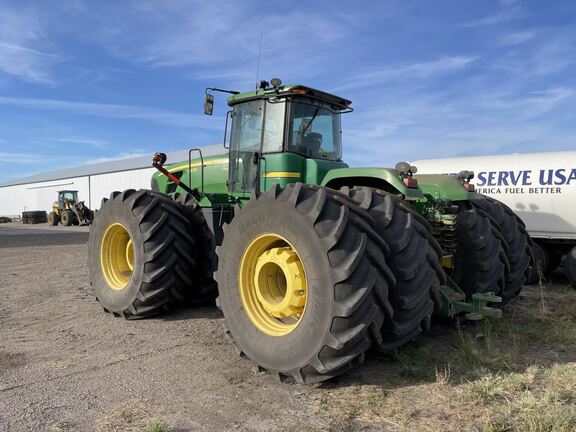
101	185
91	189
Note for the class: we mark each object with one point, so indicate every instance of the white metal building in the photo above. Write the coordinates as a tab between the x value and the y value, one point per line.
93	182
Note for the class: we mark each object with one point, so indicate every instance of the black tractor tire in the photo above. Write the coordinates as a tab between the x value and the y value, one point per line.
570	266
518	251
67	217
75	220
414	258
204	289
53	218
480	263
34	217
163	254
347	282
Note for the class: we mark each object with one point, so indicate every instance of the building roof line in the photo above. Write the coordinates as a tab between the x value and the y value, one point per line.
112	166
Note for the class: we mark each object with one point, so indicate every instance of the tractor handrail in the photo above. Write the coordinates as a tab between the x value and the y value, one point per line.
201	167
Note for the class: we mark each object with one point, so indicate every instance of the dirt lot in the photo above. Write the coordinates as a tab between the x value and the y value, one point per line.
66	365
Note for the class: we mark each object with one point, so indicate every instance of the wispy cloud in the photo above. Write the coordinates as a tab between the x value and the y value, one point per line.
133	112
20	36
530	105
123	155
516	38
507	10
219	40
423	70
94	142
23	158
550	53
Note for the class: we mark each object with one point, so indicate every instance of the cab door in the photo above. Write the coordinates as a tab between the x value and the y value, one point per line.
257	128
247	122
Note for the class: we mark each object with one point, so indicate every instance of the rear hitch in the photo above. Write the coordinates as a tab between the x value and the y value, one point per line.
454	303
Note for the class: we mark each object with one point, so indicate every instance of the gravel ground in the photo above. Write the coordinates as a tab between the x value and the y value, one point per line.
66	365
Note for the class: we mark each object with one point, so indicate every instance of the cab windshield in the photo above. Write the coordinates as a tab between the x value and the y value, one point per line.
69	196
315	130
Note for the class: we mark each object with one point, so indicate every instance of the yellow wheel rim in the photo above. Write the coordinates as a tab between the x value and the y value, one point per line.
117	256
273	286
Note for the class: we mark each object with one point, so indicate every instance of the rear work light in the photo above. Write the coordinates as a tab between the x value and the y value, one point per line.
410	182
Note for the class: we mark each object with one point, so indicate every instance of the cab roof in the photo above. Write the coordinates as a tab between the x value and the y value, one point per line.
289	90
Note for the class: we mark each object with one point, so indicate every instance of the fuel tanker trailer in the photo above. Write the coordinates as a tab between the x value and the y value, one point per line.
539	187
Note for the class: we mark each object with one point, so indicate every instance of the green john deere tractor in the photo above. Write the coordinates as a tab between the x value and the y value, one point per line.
315	261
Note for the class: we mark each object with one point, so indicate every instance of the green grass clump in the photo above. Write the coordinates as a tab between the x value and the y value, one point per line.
157	426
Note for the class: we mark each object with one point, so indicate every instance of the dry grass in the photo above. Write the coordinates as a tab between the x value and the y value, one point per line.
130	416
517	374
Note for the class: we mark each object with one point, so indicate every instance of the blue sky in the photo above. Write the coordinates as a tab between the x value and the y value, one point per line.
85	81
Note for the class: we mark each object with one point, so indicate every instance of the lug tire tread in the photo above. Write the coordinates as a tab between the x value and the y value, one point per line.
518	250
413	256
167	261
360	279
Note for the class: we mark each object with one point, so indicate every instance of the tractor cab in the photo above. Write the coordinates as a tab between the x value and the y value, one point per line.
281	133
67	196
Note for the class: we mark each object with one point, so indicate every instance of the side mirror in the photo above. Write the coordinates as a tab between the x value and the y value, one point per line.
256	158
208	104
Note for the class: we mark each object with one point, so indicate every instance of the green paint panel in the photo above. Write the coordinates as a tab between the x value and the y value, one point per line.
443	187
215	175
375	177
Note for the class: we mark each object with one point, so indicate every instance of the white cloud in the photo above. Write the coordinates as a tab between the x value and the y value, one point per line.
517	38
123	155
21	35
531	104
22	158
508	10
134	112
423	70
94	142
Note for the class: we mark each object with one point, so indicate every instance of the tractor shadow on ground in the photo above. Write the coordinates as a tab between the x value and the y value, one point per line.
184	312
35	239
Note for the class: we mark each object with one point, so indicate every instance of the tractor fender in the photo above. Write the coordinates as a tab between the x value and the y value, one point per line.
442	186
386	179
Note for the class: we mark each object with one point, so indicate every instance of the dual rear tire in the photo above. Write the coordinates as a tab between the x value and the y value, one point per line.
310	278
515	242
140	254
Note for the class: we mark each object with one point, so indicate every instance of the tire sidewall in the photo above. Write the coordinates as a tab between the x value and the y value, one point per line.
115	211
306	340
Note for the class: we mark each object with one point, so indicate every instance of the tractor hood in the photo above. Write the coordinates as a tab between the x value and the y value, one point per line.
443	187
382	178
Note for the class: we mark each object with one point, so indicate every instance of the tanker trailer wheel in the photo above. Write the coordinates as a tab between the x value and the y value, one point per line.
140	254
518	251
67	217
414	257
303	282
53	218
204	288
480	263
